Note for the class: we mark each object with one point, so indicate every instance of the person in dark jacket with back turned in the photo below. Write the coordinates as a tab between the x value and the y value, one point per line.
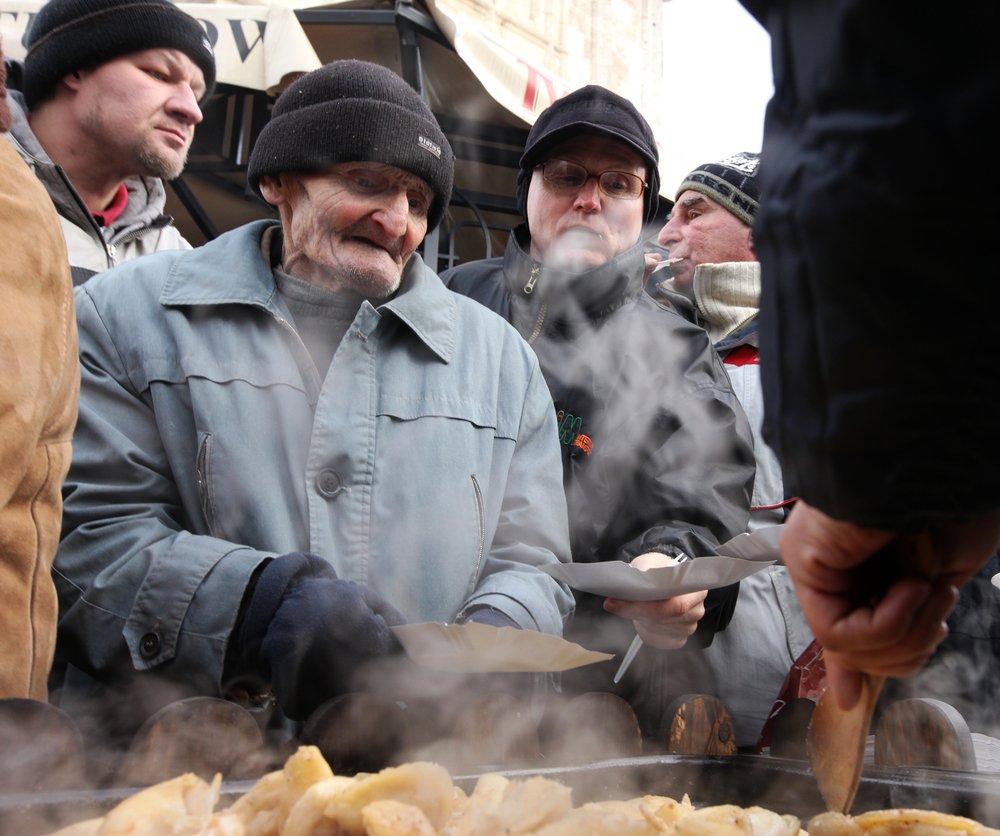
657	453
881	409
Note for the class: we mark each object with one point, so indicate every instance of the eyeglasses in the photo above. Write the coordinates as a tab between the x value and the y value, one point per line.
568	178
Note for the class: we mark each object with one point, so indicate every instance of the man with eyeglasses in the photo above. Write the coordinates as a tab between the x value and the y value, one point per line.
657	453
309	439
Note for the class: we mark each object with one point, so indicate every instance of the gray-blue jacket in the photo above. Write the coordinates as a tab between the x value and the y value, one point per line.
426	464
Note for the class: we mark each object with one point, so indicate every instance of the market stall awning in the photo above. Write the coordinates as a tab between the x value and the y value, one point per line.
256	46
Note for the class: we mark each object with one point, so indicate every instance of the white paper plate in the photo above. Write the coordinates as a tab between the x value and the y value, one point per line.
737	559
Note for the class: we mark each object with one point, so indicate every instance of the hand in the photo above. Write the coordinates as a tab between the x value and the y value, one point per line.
895	633
312	631
665	624
650	261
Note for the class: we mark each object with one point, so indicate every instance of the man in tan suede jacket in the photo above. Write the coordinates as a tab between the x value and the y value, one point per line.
39	390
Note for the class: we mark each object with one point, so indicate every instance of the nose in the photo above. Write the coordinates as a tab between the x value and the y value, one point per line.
668	234
589	196
183	104
393	212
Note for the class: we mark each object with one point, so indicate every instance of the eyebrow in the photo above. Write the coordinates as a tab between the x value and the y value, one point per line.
693	201
687	203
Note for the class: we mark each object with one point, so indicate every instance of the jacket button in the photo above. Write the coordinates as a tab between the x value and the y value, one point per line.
149	645
328	483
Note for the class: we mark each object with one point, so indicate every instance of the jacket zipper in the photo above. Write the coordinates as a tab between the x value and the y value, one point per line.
529	288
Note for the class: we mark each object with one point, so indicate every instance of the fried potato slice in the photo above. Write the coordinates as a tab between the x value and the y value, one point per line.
902	821
389	817
833	824
732	820
498	805
178	807
224	824
334	806
265	807
666	809
606	818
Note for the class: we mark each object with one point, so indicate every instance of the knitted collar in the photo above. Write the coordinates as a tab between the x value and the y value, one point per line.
726	295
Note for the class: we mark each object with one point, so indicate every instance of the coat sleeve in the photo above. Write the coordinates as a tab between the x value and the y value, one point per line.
703	489
694	476
137	590
532	525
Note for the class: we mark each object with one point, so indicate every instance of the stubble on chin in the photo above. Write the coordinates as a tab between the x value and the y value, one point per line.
154	162
372	284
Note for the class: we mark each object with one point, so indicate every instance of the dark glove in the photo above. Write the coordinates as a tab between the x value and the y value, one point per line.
491	616
308	631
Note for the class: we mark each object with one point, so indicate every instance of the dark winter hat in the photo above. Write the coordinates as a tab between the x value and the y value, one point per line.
591	110
68	35
731	182
349	111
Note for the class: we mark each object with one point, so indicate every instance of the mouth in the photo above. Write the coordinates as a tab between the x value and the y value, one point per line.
391	249
179	137
582	230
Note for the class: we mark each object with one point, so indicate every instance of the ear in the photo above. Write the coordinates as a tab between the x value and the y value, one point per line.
273	189
73	80
750	242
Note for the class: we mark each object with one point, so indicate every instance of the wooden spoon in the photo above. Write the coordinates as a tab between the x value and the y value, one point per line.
836	739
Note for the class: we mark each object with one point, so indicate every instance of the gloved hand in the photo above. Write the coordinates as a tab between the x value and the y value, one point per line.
308	631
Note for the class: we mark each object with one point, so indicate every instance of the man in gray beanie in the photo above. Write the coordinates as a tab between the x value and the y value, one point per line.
306	439
111	92
657	457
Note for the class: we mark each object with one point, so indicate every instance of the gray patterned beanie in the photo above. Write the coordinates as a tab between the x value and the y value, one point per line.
731	182
68	35
355	111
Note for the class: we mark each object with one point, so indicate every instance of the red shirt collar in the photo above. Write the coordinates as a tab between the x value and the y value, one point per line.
111	214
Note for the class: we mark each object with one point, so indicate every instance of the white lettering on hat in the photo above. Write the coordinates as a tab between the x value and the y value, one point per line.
429	145
747	163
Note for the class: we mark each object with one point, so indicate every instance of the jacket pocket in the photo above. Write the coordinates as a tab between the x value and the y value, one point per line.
204	482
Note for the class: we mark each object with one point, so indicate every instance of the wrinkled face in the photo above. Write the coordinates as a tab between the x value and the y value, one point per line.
352	226
581	229
701	231
141	109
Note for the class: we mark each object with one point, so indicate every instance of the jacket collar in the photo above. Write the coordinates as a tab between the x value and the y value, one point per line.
422	304
594	294
147	196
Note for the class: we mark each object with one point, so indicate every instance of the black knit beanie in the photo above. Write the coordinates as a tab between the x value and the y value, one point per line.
731	182
591	110
68	35
355	111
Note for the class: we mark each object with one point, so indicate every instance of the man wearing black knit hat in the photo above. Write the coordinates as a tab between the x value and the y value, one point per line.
307	439
111	92
657	457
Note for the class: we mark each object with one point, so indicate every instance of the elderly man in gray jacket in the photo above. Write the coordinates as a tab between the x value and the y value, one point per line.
294	437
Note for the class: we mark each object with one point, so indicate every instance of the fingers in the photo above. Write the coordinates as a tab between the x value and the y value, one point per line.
666	624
